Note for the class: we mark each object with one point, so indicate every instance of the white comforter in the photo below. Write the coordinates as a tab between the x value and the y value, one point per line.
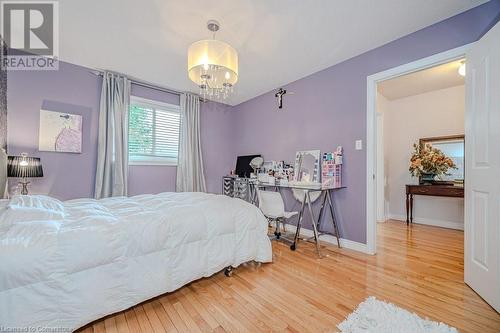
107	255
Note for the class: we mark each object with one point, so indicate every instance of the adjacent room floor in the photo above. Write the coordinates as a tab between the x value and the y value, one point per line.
419	268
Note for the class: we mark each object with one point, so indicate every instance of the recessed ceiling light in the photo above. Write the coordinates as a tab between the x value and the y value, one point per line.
461	69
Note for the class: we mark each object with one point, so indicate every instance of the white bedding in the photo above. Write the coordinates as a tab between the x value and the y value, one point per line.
107	255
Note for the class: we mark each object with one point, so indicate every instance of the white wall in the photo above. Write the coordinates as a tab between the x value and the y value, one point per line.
435	113
382	205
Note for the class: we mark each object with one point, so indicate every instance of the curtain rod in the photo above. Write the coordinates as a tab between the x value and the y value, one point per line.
142	83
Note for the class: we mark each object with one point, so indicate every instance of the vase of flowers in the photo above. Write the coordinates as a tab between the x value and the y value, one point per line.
427	163
428	178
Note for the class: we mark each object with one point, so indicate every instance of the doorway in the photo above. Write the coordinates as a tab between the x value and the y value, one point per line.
421	117
373	141
482	120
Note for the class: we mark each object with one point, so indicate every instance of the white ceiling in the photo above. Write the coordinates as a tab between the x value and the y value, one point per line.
278	41
434	78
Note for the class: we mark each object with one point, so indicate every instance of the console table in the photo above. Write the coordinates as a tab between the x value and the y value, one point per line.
432	190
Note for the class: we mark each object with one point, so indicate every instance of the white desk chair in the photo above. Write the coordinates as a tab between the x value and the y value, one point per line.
272	206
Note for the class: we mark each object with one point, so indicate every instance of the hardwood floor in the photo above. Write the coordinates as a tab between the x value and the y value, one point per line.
419	268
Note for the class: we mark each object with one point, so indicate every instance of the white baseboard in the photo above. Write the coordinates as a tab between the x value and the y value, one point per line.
433	222
345	243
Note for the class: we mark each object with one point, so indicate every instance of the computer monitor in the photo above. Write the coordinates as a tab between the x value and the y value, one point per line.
243	168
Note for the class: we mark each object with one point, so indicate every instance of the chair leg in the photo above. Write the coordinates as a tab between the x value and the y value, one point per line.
277	232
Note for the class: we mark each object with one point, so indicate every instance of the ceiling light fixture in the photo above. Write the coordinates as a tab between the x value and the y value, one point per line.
213	65
461	69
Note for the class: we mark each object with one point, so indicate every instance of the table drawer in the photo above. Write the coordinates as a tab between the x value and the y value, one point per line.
444	191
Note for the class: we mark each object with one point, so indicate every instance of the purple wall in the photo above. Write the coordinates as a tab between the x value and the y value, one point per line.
328	108
215	135
71	89
74	89
217	141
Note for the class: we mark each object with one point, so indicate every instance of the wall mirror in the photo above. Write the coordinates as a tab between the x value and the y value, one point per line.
307	166
453	147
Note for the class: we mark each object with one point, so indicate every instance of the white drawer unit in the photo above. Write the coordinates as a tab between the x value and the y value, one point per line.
237	187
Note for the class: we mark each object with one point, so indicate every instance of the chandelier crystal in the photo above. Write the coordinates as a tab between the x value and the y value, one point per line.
213	66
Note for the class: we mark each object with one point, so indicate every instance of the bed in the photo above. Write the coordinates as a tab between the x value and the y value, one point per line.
65	264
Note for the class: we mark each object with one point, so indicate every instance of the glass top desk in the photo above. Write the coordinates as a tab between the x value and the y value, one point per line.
325	198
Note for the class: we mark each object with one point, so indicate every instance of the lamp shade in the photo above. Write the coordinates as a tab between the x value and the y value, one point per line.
213	62
24	167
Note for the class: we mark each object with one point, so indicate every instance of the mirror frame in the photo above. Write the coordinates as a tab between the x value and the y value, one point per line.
423	141
317	166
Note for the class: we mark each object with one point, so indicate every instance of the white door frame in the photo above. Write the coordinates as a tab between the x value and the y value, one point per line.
371	129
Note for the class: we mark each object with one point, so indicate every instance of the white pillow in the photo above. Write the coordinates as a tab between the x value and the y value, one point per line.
37	201
3	208
26	208
3	204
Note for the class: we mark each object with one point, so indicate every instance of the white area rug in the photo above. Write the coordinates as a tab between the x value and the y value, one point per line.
375	316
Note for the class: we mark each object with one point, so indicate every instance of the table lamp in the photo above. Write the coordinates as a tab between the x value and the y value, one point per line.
24	167
256	163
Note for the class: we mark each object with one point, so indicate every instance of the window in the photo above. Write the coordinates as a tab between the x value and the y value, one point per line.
153	136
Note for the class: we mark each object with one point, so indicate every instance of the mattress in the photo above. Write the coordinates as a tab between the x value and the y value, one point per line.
99	257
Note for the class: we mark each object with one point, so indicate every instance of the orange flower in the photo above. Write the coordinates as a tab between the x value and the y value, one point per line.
426	159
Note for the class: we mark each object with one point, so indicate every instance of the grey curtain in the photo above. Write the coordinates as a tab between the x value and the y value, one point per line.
3	125
3	100
3	174
112	154
190	175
